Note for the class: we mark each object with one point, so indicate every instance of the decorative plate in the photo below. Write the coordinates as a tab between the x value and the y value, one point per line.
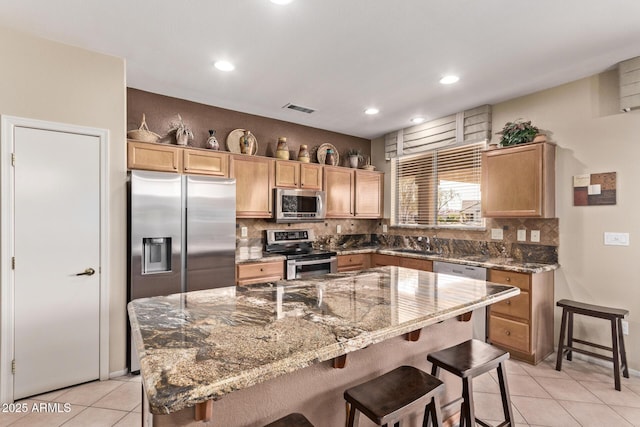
322	154
233	141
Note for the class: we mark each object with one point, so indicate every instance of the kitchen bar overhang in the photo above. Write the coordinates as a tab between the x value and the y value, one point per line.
199	346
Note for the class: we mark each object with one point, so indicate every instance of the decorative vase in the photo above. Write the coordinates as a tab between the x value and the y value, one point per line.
246	143
182	139
329	158
303	154
353	161
282	151
212	141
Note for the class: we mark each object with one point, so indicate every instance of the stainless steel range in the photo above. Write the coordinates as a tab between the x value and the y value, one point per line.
302	260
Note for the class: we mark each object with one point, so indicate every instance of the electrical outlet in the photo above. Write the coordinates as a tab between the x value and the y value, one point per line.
496	234
535	235
385	228
243	232
625	327
338	229
522	235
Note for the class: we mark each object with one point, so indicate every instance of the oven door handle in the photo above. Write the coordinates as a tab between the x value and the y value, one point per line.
312	262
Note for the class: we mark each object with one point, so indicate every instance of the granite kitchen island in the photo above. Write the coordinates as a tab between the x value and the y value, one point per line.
245	356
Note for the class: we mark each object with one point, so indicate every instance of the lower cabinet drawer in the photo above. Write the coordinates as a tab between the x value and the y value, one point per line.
259	272
517	306
416	264
509	333
380	260
353	262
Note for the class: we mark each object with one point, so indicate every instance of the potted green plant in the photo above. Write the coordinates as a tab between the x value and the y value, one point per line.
517	132
355	157
182	131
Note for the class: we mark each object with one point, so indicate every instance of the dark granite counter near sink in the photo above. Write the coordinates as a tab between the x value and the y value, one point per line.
486	261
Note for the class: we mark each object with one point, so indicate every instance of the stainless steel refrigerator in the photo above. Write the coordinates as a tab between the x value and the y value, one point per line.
181	235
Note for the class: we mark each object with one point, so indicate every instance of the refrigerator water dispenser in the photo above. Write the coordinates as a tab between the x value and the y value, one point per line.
157	255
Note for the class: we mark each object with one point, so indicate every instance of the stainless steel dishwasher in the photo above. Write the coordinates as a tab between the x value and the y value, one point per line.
479	316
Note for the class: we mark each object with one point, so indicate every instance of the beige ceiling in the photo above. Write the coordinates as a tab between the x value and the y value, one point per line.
341	56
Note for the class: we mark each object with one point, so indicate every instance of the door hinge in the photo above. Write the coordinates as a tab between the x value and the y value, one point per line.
13	159
13	366
13	263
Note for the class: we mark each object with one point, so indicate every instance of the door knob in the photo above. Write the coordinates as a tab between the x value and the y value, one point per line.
87	272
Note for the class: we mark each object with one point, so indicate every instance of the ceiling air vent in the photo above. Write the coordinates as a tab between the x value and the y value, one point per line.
629	72
291	106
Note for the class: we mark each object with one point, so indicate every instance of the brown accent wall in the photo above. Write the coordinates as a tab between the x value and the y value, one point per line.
161	110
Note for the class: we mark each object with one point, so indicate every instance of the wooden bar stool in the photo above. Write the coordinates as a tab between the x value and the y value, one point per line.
468	360
392	396
614	315
291	420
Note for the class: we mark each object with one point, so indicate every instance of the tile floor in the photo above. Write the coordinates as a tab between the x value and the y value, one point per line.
581	395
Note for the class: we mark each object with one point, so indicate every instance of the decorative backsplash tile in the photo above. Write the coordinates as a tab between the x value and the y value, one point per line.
356	233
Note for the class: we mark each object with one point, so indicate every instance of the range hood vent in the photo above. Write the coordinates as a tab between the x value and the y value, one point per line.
629	72
291	106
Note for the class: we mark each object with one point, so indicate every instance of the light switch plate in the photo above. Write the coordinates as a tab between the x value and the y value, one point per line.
625	327
616	239
338	229
496	233
384	228
243	231
522	235
535	235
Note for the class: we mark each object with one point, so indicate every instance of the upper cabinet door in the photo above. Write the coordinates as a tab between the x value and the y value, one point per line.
254	185
338	184
519	182
310	176
206	162
369	197
287	174
154	157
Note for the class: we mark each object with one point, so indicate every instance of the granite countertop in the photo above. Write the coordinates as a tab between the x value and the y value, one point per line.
199	346
486	261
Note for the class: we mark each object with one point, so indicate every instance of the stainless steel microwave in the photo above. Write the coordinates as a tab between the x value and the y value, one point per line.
292	205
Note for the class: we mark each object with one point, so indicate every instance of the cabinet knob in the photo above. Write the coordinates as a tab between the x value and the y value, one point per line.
507	333
508	279
261	269
508	302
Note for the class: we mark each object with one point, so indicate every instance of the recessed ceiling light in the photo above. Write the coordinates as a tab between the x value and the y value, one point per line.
447	80
371	111
224	66
417	120
281	1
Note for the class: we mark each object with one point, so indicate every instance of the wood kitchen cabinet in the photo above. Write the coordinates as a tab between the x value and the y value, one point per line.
254	185
353	192
519	181
523	325
339	186
368	194
206	162
353	262
416	264
259	272
154	157
292	174
380	260
171	158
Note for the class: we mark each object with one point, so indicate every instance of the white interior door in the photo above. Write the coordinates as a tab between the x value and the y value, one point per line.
56	237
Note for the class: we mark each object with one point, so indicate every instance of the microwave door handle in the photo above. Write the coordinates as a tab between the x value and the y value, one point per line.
319	203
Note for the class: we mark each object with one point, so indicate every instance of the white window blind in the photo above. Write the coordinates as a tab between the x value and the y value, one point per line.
440	187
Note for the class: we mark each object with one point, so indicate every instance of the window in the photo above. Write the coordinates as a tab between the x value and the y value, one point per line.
438	188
